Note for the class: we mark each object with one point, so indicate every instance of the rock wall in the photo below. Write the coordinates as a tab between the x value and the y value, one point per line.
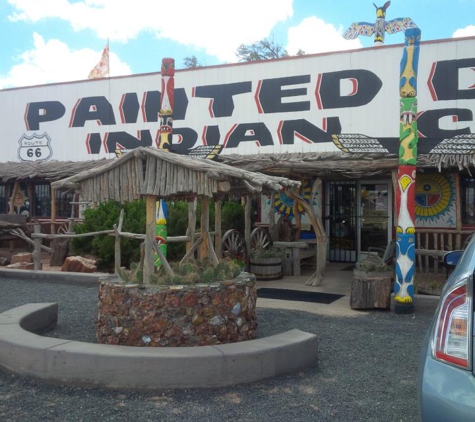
188	315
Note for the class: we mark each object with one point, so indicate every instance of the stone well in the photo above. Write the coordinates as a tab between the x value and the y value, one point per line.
185	315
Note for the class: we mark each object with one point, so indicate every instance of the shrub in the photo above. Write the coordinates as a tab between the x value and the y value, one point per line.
103	218
107	214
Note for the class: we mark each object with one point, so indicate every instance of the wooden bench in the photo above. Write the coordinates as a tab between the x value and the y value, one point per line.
294	253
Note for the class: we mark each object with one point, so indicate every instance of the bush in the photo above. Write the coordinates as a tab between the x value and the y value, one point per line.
107	214
103	218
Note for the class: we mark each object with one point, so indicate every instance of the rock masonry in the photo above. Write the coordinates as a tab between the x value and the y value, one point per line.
174	316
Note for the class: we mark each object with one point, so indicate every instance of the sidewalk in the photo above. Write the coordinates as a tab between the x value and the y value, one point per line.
337	281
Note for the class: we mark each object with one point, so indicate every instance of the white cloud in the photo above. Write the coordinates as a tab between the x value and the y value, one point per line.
53	61
465	32
313	35
217	26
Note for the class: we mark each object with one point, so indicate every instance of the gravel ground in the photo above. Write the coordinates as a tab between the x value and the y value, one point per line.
366	372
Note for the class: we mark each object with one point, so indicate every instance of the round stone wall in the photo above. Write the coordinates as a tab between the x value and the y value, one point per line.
171	316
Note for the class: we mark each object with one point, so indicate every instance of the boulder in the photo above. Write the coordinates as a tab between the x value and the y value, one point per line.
21	266
4	261
78	264
22	257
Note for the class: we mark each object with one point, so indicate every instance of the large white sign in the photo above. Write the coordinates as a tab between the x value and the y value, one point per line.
287	105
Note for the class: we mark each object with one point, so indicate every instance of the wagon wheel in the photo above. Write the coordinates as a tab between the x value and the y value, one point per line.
63	228
233	245
260	239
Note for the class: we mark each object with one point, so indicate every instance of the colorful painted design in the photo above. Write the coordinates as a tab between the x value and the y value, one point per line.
435	199
166	104
404	200
405	268
167	99
161	215
410	63
284	204
408	138
358	144
408	132
379	27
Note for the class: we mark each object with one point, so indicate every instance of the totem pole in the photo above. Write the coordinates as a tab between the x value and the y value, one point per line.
406	177
408	137
379	27
164	142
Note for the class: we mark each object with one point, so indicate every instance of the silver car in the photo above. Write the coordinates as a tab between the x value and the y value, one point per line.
446	382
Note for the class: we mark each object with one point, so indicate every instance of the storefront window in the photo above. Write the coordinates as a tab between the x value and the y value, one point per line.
467	192
4	208
42	200
63	204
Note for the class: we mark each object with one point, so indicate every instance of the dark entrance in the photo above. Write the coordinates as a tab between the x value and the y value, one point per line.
340	208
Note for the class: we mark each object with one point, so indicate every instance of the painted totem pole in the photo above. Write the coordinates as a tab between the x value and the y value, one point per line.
164	142
379	27
408	137
405	195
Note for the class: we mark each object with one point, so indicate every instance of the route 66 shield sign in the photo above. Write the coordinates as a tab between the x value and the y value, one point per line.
35	147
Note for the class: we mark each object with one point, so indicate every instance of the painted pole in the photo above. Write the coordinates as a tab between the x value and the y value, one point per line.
408	138
164	142
405	195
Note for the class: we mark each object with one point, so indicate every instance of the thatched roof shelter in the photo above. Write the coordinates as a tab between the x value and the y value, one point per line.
48	170
340	164
149	171
160	174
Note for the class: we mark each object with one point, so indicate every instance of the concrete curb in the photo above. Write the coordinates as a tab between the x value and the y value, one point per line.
122	367
84	279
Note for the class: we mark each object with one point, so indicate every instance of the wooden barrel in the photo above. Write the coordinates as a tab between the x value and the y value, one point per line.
266	268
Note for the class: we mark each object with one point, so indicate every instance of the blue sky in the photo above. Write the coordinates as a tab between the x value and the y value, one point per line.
47	41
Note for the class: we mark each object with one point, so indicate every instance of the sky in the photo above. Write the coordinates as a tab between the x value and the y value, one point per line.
49	41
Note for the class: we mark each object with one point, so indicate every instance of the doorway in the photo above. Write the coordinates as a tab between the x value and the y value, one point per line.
358	215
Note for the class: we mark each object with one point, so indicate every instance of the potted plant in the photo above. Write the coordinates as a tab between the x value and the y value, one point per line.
266	264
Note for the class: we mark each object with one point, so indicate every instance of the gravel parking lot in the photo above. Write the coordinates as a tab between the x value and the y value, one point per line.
366	372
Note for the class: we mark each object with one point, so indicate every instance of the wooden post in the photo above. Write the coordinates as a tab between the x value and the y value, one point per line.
16	186
190	231
217	229
458	213
204	247
37	250
149	267
53	211
370	292
117	230
272	231
247	227
317	278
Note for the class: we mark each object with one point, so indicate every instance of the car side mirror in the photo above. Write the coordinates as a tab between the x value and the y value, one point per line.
452	258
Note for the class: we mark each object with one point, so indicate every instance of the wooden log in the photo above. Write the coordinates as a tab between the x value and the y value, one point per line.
204	223
60	251
217	229
192	250
149	267
370	292
163	259
190	231
53	211
247	224
117	230
37	251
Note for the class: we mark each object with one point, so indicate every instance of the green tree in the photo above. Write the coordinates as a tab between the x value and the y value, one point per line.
192	61
261	50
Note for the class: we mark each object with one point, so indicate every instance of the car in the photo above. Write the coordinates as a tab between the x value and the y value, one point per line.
446	377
